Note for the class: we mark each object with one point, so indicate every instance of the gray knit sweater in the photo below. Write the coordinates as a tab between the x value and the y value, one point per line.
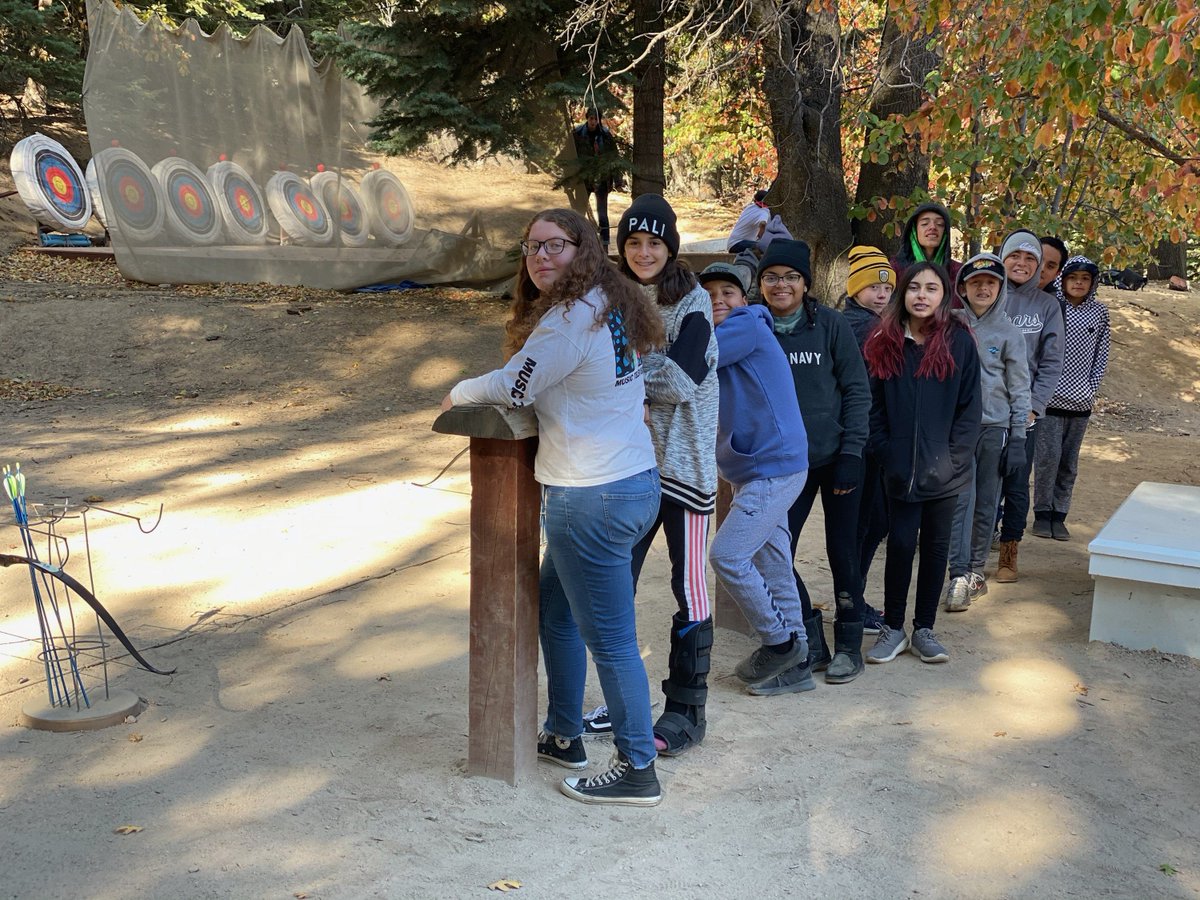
681	388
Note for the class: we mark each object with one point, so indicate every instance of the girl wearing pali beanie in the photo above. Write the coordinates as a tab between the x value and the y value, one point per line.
681	392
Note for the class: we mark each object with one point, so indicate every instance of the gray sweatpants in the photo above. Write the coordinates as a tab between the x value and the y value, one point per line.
975	513
751	556
1056	462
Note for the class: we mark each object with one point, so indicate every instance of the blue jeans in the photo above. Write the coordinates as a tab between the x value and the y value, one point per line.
586	600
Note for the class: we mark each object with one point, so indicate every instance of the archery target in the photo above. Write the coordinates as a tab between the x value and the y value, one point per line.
344	204
299	211
126	195
240	202
51	183
388	205
191	210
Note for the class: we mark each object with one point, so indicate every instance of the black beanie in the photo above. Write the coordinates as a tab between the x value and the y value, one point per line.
794	254
653	214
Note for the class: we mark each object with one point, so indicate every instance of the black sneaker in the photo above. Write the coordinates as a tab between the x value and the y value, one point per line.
597	723
561	752
621	784
764	663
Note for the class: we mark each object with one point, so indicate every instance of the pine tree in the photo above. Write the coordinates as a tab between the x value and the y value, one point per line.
40	44
498	78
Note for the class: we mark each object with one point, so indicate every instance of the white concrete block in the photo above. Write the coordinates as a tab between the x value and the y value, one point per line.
1146	562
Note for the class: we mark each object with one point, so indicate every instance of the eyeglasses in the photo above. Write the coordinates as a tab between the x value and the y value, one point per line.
791	278
554	246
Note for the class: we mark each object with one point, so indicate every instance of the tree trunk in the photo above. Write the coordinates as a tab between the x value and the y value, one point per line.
649	97
803	86
905	60
1169	259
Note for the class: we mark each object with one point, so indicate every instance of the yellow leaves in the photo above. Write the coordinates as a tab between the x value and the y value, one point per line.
1189	107
1175	51
127	829
1044	136
1121	45
504	885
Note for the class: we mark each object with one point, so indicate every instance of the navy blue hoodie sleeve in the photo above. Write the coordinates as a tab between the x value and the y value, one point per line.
851	374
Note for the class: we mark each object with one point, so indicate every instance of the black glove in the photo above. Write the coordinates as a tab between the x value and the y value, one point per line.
1015	459
847	472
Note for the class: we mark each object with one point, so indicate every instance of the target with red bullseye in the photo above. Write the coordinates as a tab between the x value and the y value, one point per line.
126	195
51	183
192	214
299	211
241	203
343	202
390	209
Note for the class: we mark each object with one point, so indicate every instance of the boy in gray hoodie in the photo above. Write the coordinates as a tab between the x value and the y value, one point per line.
1038	317
1004	382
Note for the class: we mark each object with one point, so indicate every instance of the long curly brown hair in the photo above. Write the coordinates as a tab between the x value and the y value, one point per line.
589	269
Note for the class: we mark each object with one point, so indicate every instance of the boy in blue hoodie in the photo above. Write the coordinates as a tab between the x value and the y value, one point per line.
762	451
1085	359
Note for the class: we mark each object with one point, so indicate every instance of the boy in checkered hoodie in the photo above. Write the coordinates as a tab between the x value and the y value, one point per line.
1086	339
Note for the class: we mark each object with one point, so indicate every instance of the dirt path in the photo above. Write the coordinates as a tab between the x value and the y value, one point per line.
314	601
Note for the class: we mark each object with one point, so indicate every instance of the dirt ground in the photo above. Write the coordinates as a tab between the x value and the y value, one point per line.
311	589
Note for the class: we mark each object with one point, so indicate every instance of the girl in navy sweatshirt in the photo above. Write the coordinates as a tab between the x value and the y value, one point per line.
925	419
830	385
762	451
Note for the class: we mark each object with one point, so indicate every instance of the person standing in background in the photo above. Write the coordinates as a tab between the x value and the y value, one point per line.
596	150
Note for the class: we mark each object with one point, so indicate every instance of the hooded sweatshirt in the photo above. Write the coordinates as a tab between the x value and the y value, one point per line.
681	386
862	320
1004	371
910	252
1086	341
1038	317
830	382
924	431
760	433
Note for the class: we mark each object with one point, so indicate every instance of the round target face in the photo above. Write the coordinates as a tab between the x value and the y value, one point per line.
390	209
127	195
345	205
51	183
300	213
240	202
191	210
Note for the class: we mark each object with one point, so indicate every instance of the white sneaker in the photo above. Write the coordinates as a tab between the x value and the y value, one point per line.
958	594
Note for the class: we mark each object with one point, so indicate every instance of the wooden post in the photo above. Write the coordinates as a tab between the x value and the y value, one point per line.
727	613
505	505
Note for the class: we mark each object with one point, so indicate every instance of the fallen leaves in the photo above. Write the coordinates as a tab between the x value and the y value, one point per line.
30	390
127	829
1081	689
504	885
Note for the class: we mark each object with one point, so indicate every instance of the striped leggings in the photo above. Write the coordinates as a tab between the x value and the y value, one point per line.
687	540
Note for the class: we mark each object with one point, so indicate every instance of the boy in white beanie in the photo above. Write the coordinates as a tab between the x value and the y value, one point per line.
1038	317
